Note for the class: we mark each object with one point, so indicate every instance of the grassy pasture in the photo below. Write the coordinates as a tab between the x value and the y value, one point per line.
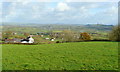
62	56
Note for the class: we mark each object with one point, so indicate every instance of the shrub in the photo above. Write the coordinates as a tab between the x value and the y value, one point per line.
85	36
57	41
115	33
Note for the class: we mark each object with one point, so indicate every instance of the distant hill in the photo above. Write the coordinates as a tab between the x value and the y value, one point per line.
25	27
100	27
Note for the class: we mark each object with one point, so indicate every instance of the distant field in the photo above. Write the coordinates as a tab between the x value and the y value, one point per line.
63	56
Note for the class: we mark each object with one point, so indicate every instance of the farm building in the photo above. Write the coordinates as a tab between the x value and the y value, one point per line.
29	39
15	40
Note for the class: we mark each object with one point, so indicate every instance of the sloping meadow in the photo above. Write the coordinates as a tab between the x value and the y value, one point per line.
63	56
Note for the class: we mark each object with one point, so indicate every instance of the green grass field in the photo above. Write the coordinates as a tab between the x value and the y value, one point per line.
63	56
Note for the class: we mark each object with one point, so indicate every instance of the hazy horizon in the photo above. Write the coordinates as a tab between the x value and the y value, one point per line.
53	23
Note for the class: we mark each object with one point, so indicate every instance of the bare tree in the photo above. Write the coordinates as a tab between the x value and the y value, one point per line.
70	36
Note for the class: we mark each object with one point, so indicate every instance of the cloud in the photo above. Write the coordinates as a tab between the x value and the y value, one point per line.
92	0
17	10
60	12
0	12
83	9
107	16
59	0
0	8
62	6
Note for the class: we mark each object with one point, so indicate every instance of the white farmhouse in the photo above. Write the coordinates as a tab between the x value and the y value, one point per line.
29	39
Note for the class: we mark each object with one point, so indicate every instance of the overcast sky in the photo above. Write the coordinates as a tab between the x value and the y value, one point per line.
60	12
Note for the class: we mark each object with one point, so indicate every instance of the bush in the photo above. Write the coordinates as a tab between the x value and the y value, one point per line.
115	33
57	41
85	36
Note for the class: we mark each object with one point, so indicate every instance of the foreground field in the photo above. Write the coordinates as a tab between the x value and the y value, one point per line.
64	56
